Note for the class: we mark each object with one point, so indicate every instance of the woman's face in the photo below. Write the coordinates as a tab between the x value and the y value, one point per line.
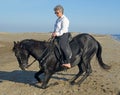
58	13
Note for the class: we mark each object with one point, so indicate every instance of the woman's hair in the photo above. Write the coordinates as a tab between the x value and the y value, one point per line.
60	8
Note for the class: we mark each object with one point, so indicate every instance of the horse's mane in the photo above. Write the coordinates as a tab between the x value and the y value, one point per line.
28	43
31	41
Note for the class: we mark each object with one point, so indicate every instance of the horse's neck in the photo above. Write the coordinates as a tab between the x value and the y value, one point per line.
38	52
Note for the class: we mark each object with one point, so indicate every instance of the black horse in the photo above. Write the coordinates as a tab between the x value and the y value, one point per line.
83	46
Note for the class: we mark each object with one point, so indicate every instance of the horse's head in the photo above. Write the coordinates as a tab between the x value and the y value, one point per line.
21	54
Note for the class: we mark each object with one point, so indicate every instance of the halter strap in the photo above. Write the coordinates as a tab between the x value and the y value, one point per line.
31	63
42	59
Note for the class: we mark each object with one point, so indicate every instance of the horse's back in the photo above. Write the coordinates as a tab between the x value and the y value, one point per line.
85	39
84	36
83	42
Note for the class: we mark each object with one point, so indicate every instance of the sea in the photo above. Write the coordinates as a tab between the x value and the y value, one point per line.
116	36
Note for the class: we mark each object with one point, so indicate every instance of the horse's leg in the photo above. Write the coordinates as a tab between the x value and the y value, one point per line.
48	75
86	61
87	73
37	75
80	66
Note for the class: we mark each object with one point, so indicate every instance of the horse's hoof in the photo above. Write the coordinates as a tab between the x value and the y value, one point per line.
43	87
35	82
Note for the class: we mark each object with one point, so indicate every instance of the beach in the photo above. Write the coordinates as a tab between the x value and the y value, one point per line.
14	81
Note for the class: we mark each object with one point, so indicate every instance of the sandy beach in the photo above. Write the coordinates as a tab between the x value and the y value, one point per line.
14	81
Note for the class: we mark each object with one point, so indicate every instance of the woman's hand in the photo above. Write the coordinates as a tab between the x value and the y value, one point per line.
54	34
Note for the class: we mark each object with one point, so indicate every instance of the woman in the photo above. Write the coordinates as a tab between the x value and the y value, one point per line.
61	32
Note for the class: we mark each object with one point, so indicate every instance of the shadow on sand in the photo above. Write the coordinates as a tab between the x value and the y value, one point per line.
17	76
26	77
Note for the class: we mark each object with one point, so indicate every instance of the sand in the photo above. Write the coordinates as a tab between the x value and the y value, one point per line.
14	81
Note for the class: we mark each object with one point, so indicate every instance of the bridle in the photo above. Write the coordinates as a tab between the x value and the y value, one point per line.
50	40
31	63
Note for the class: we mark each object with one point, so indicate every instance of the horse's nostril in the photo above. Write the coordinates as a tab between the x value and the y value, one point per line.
22	68
25	65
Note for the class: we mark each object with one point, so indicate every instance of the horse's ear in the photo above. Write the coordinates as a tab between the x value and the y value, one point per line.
15	43
14	46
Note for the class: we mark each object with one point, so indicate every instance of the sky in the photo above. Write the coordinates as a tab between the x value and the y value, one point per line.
85	16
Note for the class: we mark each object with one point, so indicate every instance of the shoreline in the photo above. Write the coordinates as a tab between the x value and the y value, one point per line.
49	33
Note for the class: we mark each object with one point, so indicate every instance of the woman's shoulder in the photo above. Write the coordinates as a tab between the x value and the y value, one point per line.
64	18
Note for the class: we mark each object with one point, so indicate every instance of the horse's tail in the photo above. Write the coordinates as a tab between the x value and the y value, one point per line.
99	57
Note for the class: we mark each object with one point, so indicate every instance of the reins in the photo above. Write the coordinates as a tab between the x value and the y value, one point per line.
31	63
49	40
